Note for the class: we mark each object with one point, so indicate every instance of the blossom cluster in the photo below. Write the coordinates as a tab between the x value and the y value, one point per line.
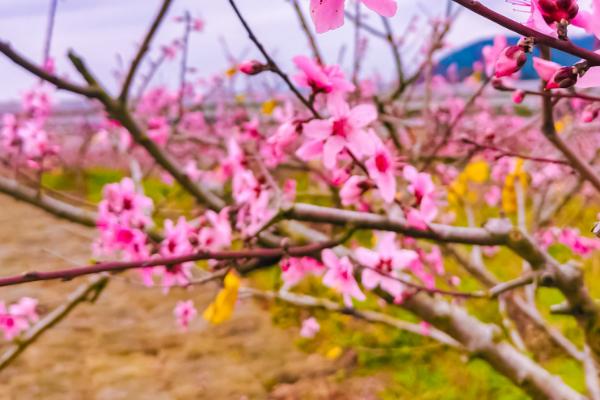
23	137
17	317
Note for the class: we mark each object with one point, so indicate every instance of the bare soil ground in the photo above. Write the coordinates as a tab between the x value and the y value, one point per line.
127	346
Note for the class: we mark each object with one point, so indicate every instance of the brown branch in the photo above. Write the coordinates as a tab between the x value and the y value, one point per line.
420	288
508	153
363	220
50	29
118	266
563	45
300	300
43	74
184	60
121	113
592	380
504	287
585	170
482	340
51	205
389	34
142	50
450	128
312	41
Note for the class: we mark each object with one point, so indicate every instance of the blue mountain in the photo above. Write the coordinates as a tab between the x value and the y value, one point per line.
466	56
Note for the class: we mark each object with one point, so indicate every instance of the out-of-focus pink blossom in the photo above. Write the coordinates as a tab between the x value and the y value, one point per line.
339	276
590	113
580	245
218	234
510	60
382	167
310	328
158	130
289	190
329	14
425	328
185	312
545	68
491	53
492	196
422	188
346	129
294	269
352	190
123	217
384	263
18	317
518	96
327	79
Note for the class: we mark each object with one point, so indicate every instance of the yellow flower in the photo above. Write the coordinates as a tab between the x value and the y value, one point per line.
476	172
562	123
221	309
268	107
509	192
334	353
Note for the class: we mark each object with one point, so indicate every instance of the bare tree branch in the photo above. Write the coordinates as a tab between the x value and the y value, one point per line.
88	292
305	301
142	50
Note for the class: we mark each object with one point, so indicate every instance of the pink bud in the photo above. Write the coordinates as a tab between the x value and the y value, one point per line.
510	60
589	113
558	10
518	96
563	78
252	67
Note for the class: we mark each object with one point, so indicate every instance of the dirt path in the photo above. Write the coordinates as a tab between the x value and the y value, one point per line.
127	346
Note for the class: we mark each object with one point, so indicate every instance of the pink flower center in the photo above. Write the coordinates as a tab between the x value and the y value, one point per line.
340	127
382	163
385	265
344	274
127	203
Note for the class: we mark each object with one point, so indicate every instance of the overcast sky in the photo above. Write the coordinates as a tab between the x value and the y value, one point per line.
100	30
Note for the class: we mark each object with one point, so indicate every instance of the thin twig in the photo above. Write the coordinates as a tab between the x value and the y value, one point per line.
88	292
143	49
272	64
305	301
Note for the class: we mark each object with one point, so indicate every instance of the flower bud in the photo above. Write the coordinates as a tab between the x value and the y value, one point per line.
510	60
518	96
563	78
558	10
590	113
252	67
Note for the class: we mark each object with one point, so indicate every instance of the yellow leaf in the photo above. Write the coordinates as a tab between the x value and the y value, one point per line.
268	107
240	98
221	309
